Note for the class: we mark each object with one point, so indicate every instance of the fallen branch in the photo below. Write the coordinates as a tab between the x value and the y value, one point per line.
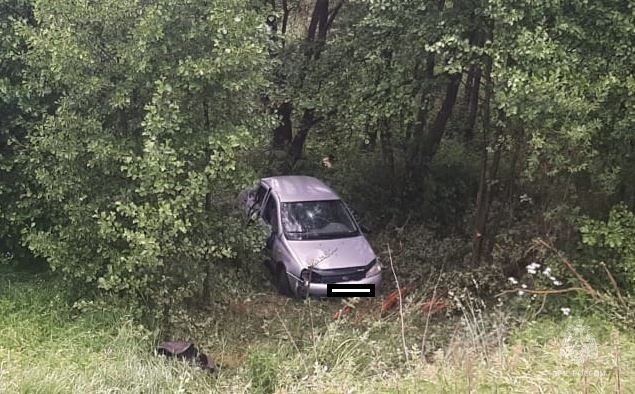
614	283
543	291
587	287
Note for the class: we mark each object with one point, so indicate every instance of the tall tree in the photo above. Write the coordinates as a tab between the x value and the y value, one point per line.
303	80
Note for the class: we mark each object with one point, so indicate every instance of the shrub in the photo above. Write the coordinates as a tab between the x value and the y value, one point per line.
612	242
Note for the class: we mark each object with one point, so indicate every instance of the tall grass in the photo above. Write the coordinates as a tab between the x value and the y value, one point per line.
46	347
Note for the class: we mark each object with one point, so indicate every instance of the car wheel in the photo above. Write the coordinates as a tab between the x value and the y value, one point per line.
282	281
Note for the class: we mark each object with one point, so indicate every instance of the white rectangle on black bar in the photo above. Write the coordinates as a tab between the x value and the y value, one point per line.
350	290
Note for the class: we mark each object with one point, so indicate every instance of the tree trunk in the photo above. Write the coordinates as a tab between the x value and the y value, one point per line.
469	81
322	17
297	146
285	17
472	104
371	135
511	175
433	138
316	32
315	40
283	134
386	146
482	198
473	86
421	119
493	189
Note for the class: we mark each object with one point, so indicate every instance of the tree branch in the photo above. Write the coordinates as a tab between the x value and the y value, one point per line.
544	291
333	14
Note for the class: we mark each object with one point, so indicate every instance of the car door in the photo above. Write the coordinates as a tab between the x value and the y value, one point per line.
255	201
270	217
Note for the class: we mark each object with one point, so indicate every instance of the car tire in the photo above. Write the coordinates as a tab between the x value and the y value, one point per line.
282	281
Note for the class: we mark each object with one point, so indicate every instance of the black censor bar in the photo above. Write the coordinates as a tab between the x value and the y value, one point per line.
350	290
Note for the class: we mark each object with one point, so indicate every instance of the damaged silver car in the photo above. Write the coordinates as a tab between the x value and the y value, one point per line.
314	239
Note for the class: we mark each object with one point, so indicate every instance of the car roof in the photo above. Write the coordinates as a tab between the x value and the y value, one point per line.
291	188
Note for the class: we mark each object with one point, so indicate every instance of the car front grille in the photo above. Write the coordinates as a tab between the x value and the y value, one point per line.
340	275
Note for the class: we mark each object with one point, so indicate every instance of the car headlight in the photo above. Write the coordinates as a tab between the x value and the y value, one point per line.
374	270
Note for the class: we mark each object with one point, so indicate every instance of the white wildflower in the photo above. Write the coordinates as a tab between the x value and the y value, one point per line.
512	280
547	271
524	286
520	292
565	311
533	268
557	283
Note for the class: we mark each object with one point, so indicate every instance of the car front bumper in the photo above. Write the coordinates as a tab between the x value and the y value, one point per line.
319	289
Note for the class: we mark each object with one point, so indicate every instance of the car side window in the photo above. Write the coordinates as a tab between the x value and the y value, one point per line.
260	195
270	214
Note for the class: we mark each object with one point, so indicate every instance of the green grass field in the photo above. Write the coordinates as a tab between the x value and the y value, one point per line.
268	344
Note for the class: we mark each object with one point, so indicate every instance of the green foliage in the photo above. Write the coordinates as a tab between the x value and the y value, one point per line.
127	128
565	73
612	242
380	53
136	163
13	183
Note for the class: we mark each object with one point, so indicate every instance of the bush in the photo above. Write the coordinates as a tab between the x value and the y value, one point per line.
612	242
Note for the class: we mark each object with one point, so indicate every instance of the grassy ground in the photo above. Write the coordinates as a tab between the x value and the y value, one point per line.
268	344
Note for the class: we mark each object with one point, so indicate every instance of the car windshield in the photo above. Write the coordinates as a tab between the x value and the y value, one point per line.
317	220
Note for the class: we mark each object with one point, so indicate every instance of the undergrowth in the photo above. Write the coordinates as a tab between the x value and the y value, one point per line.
266	344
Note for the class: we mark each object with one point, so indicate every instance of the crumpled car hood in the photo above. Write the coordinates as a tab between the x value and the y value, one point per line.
333	253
